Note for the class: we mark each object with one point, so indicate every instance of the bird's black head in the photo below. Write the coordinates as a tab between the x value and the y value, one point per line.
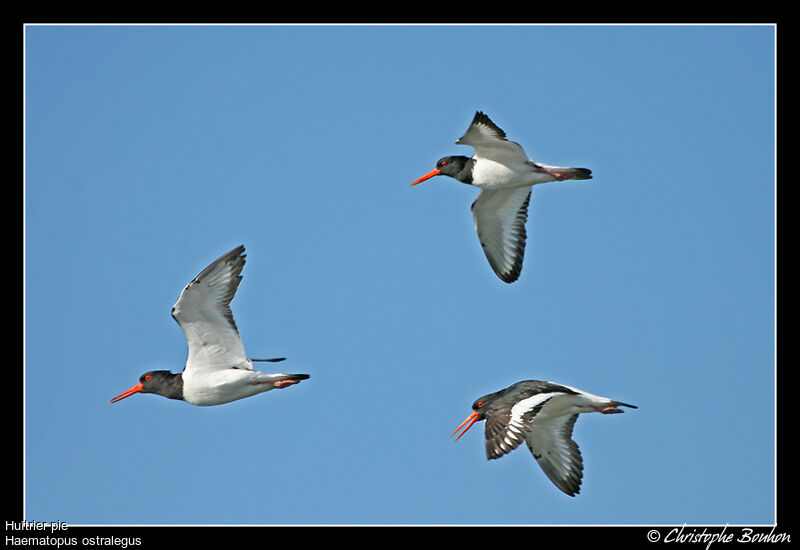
453	166
478	413
156	380
479	406
458	167
161	382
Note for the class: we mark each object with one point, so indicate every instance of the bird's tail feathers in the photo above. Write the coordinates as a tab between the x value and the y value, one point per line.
562	173
582	174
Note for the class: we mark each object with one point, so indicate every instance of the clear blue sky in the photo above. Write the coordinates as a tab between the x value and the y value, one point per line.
152	150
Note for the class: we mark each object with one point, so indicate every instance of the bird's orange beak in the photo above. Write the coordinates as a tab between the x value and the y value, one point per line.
471	419
127	393
429	175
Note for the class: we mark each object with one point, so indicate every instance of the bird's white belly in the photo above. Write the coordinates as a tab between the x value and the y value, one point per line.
490	174
571	404
218	387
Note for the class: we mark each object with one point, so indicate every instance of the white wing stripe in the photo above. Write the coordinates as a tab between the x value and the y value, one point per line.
523	406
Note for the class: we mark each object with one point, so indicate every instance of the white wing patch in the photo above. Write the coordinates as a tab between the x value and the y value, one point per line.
500	216
203	312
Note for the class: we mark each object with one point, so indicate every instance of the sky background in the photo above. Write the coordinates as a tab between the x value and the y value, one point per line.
152	150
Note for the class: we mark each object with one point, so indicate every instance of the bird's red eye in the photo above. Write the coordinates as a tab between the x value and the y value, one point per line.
444	163
479	404
147	377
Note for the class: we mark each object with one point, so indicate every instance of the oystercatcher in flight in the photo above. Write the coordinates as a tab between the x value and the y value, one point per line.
505	175
542	414
217	370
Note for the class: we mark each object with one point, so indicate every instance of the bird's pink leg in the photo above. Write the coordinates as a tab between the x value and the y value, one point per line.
609	409
560	176
285	383
277	384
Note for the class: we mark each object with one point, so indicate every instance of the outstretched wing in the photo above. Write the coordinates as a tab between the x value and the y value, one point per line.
500	216
203	312
508	426
550	442
490	142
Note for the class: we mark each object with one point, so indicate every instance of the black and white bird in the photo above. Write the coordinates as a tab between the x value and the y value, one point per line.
505	175
542	414
217	370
